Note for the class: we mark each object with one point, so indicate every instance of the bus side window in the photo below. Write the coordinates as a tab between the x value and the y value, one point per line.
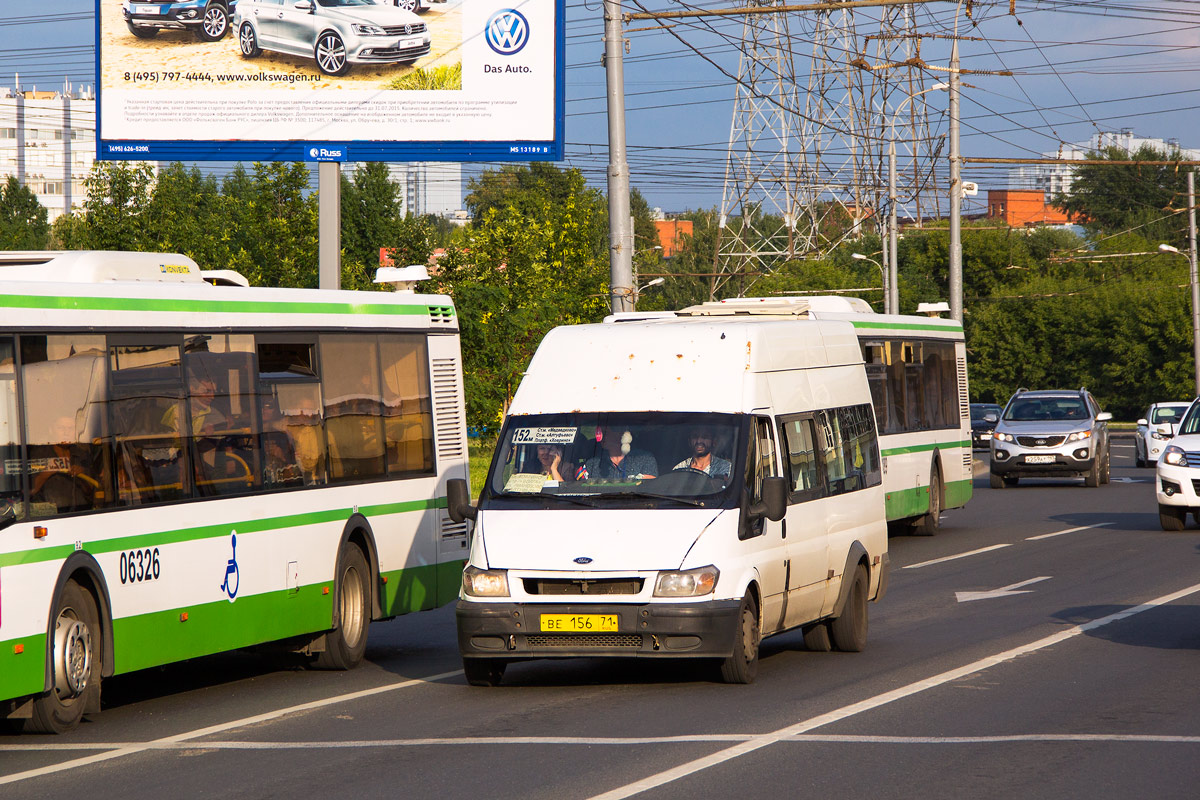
407	406
10	463
353	406
147	417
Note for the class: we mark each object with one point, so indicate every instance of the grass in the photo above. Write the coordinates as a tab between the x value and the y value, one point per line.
479	456
443	77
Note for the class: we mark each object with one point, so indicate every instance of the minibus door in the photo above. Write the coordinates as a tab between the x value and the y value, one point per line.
766	538
806	521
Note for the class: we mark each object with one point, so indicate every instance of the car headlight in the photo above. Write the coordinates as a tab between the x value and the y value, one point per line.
1079	436
485	582
686	583
368	30
1175	456
1004	437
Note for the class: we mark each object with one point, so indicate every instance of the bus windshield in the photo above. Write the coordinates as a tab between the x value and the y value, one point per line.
673	458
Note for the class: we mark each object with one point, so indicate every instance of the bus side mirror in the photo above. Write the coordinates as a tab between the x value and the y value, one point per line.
773	504
458	500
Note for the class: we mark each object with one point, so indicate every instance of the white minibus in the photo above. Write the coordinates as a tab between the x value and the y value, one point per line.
678	486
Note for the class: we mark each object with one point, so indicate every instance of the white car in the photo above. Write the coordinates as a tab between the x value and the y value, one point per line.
1177	477
1155	429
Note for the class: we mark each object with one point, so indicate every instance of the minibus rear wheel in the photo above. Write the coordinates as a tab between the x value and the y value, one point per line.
849	631
742	665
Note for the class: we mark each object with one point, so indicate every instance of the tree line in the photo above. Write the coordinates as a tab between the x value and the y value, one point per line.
1098	306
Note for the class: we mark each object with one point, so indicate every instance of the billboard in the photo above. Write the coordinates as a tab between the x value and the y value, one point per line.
336	80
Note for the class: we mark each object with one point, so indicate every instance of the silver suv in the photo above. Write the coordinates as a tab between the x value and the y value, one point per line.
1049	434
337	33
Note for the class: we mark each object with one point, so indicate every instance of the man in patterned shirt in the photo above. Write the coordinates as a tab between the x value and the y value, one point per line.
619	461
700	441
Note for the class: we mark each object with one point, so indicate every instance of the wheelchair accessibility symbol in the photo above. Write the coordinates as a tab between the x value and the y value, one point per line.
230	586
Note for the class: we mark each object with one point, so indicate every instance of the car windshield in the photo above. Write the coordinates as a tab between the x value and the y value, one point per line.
981	410
1164	415
1056	409
648	458
1191	420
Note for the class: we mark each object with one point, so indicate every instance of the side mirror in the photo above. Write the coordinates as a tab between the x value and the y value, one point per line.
991	417
1165	430
303	5
773	504
458	501
1103	416
1142	423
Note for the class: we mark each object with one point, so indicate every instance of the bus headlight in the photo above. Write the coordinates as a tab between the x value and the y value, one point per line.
686	583
1175	456
485	582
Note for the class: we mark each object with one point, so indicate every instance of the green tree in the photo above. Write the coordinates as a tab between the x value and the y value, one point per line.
274	242
187	214
23	224
1144	198
114	215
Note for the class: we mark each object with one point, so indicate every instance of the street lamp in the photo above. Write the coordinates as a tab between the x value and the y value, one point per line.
891	300
637	290
1191	257
882	275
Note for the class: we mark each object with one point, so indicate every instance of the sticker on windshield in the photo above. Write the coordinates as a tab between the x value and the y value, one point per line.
544	435
527	483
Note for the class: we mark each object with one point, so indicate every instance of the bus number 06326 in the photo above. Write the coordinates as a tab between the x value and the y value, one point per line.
139	565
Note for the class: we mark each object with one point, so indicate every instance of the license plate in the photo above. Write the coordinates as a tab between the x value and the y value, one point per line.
579	623
985	436
408	44
145	10
1039	459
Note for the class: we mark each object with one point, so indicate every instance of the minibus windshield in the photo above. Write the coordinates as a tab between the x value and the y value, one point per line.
665	458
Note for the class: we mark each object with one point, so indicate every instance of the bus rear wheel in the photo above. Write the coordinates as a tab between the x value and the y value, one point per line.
75	654
347	644
928	525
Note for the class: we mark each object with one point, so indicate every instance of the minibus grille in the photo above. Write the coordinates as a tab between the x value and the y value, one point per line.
581	586
574	641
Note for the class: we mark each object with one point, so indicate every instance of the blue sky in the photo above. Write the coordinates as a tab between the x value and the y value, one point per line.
1080	67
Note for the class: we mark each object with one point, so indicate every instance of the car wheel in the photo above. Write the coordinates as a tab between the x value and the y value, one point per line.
998	481
1172	518
1106	473
1092	477
331	54
141	31
415	6
742	664
215	23
816	637
248	42
1138	461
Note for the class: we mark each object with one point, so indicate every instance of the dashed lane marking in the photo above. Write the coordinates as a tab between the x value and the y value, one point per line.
960	555
1068	530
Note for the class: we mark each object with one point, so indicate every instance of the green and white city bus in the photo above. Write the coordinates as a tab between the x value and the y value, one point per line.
917	370
188	468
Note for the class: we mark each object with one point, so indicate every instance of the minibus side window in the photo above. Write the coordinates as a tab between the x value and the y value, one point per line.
797	437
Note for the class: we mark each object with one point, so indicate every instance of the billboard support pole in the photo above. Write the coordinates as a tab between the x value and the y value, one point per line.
620	227
329	225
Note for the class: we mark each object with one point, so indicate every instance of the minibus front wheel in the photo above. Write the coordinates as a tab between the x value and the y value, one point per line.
742	664
484	671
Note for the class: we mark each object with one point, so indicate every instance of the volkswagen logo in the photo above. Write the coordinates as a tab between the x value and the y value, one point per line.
507	31
408	29
583	560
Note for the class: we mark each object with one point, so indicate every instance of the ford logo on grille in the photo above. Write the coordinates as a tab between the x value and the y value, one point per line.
583	560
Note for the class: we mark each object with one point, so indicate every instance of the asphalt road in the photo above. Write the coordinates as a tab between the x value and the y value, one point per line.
1078	682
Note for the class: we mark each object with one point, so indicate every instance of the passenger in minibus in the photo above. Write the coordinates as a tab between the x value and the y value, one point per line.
619	461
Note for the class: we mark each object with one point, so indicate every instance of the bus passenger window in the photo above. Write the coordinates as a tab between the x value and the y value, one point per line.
10	464
65	395
407	407
224	432
147	418
353	406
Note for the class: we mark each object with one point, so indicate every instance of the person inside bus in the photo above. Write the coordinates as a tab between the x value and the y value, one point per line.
619	461
62	479
701	456
280	465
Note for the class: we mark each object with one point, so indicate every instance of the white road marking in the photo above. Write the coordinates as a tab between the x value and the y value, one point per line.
1004	591
960	555
585	741
1068	530
763	740
139	747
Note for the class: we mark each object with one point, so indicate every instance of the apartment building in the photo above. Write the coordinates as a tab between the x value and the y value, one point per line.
48	141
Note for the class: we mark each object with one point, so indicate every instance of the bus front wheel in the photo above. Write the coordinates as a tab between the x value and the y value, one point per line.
75	654
347	644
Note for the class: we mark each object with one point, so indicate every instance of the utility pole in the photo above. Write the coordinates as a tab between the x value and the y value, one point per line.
620	229
329	225
956	286
1191	184
893	299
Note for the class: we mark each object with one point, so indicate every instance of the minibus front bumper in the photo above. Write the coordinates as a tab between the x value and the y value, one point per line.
646	630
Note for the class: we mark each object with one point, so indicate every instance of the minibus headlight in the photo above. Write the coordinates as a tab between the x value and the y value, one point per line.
686	583
485	582
1175	456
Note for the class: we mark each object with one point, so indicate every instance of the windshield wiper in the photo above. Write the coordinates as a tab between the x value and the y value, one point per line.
579	500
684	500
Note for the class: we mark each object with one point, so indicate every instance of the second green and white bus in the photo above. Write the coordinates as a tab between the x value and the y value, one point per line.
188	468
917	370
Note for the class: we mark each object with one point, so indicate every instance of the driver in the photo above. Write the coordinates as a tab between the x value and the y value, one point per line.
700	444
